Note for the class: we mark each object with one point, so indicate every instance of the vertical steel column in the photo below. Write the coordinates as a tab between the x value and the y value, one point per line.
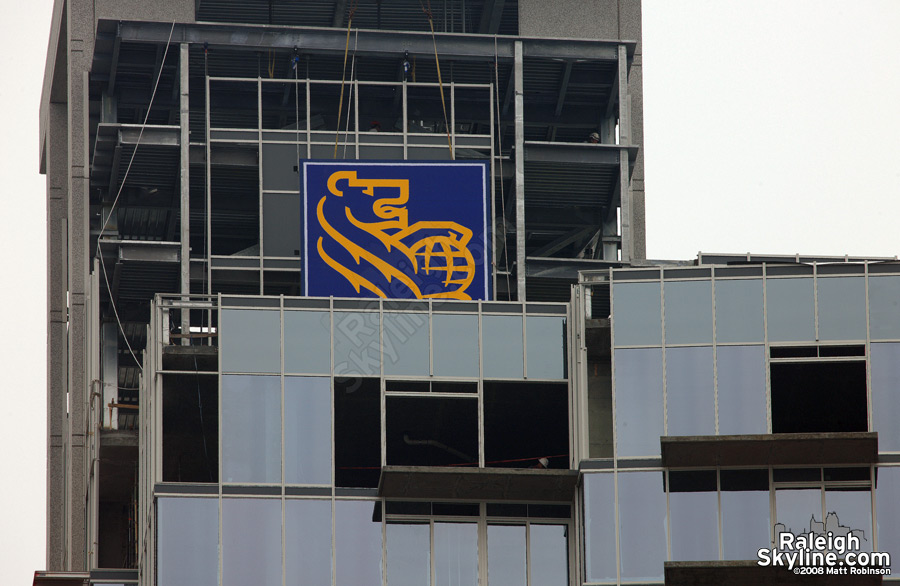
520	174
624	171
184	115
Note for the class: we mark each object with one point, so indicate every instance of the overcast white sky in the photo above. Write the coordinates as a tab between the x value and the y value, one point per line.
771	126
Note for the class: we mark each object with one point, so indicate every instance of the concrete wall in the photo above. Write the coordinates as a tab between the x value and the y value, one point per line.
177	10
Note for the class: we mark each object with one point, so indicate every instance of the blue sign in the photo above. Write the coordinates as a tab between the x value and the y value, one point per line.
398	229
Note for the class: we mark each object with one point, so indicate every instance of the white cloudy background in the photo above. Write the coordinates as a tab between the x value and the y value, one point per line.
771	126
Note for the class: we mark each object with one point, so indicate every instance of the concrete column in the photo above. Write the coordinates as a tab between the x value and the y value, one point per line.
80	22
184	116
630	30
520	173
57	195
624	171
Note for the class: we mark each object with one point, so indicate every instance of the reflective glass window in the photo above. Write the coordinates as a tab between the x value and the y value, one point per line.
281	224
599	527
745	512
884	364
506	555
502	346
636	314
455	339
549	554
251	542
307	542
642	520
406	344
887	510
741	378
307	342
739	311
357	539
408	554
690	392
688	312
546	342
796	509
250	340
357	343
639	401
693	510
790	310
251	428
842	308
884	308
849	510
307	430
279	166
187	551
456	554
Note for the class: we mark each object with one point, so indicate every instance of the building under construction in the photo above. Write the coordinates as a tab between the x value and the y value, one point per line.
356	292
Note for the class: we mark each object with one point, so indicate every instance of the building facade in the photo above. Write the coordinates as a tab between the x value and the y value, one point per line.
218	413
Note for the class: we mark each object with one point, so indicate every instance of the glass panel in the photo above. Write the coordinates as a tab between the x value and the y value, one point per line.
887	509
642	519
455	339
849	512
307	430
279	167
251	542
408	554
250	340
885	371
506	555
406	344
690	393
884	308
796	510
456	554
357	538
842	308
688	312
636	314
745	512
790	310
693	507
639	401
357	345
599	527
739	311
549	554
281	224
546	344
741	377
307	342
307	542
187	541
501	346
251	429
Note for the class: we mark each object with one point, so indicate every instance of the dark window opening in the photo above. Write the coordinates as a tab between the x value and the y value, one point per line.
742	480
190	428
357	432
407	386
432	431
116	539
692	481
525	423
817	397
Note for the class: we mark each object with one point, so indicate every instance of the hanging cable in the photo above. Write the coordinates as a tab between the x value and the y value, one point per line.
437	63
355	89
500	160
112	209
337	132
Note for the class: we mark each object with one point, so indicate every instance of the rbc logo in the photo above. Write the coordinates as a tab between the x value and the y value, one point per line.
396	230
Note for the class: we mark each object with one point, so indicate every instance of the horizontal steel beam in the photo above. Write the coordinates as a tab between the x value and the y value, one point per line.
582	154
370	42
563	268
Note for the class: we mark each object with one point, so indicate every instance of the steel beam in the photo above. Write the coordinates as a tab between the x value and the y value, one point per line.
520	172
371	42
490	17
582	154
563	88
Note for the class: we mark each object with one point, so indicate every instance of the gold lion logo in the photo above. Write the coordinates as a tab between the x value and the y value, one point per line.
429	247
